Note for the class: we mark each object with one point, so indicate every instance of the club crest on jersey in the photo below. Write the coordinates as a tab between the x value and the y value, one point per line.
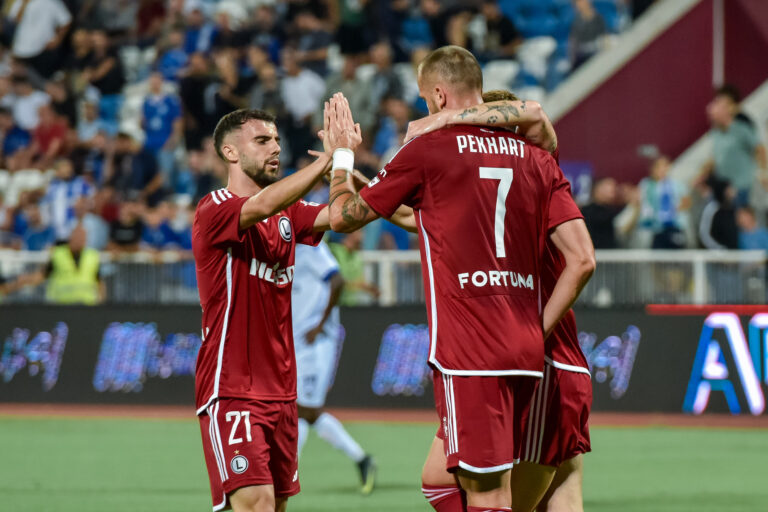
239	464
284	226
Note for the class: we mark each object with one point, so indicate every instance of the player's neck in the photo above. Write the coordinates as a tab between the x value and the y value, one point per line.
241	185
463	101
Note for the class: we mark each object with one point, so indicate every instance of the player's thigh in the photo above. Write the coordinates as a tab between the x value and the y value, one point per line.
281	504
253	498
529	483
434	472
565	492
490	490
283	456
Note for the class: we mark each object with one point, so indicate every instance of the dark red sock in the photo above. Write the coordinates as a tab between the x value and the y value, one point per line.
444	498
486	509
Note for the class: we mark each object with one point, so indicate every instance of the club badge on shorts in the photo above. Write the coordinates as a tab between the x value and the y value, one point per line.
284	226
238	464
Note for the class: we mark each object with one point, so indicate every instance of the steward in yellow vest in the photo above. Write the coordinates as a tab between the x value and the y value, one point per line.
73	273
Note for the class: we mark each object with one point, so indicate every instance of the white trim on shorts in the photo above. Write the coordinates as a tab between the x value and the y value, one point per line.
492	469
567	367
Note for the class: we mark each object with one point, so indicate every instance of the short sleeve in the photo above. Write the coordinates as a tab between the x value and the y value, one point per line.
63	16
303	215
400	182
218	218
562	207
748	135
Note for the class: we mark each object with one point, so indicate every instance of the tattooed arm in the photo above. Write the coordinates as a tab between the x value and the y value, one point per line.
347	210
527	116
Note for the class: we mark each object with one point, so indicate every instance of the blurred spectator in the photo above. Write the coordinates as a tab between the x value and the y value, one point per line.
751	235
37	235
79	52
163	126
64	191
312	42
266	94
157	233
72	274
736	148
125	232
48	139
356	90
303	92
265	32
198	109
356	289
501	38
717	226
392	128
662	203
41	26
354	33
90	124
15	140
104	71
96	228
587	30
149	21
202	175
117	17
132	171
26	103
601	213
437	16
200	31
62	100
173	58
385	83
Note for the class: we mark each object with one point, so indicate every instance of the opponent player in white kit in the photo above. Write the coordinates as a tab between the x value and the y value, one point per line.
318	336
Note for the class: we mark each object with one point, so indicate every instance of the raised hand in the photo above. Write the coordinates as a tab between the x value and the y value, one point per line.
340	130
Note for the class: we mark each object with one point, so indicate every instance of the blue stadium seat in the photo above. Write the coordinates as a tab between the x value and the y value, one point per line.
609	12
542	25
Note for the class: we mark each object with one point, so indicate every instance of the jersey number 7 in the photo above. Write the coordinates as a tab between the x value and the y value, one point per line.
504	175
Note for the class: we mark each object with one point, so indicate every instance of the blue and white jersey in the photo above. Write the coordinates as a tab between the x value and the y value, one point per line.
59	204
160	112
311	288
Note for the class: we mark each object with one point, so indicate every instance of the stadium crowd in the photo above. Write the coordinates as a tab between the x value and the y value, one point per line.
107	107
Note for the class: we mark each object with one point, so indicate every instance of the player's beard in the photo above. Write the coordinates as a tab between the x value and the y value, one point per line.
258	172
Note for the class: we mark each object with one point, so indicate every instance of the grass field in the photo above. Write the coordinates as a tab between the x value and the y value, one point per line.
119	464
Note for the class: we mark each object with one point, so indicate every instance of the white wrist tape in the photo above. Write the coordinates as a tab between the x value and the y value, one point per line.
343	158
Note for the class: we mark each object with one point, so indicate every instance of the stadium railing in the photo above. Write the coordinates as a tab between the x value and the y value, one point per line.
623	278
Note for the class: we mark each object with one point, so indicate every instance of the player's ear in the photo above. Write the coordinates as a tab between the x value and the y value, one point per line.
440	97
230	152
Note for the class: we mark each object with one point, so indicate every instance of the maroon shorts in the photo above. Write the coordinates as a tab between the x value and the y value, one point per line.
557	427
250	442
482	420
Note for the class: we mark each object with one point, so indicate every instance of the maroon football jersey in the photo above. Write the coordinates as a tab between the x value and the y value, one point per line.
484	202
244	278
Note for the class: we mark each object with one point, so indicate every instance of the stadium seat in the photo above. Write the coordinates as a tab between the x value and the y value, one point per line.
534	55
500	74
609	12
538	25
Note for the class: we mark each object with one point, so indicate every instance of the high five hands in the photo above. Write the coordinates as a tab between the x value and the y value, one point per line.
339	129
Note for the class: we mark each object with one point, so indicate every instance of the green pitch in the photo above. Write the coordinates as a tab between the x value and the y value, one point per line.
131	465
